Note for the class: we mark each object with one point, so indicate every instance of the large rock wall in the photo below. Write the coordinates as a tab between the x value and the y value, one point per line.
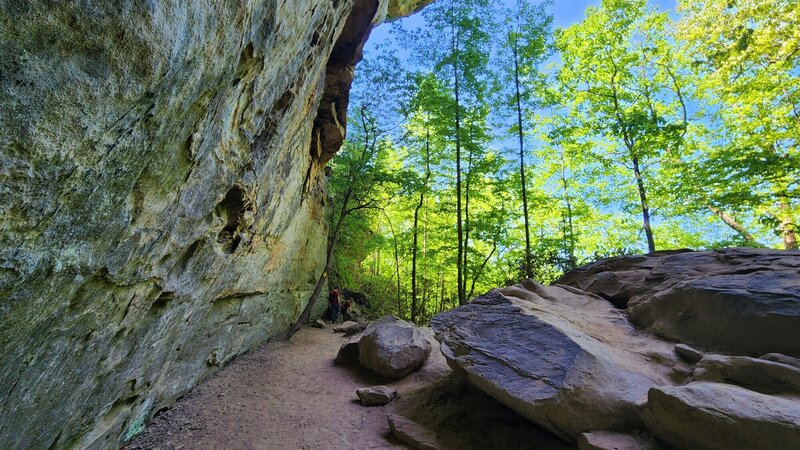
161	209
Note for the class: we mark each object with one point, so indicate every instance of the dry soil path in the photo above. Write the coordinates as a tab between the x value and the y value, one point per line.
283	395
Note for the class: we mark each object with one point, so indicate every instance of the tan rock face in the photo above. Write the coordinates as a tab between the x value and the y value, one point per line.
160	208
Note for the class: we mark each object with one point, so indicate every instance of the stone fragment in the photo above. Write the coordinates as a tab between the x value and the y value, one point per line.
565	359
319	323
741	300
350	328
609	440
413	434
691	355
392	348
376	395
721	417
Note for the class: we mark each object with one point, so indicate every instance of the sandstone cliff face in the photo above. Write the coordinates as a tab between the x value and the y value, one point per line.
162	207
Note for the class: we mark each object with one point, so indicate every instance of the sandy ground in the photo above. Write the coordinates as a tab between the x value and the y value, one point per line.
284	395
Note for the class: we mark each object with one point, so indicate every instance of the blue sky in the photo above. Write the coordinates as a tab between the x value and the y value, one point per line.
565	13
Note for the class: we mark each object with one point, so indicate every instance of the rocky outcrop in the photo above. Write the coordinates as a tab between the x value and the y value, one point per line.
574	364
162	202
567	360
740	301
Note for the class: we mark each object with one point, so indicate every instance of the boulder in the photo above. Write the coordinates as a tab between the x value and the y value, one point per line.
319	323
565	359
349	328
392	348
760	375
376	395
721	416
742	301
609	440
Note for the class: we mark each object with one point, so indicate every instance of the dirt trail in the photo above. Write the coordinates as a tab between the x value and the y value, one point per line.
283	395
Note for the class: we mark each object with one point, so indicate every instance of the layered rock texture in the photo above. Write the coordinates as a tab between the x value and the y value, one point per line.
597	374
743	301
162	196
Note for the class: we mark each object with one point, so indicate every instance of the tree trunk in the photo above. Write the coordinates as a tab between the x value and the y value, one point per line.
466	223
459	224
570	231
306	314
788	227
648	231
416	228
528	268
731	222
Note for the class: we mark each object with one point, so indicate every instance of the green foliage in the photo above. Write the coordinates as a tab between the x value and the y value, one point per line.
690	122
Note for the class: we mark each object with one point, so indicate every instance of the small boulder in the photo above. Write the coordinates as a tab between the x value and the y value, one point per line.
689	354
348	352
349	328
376	395
319	323
393	348
721	416
412	434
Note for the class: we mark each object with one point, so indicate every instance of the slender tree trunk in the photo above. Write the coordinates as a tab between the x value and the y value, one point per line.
648	231
528	268
630	145
396	266
788	227
416	229
441	291
481	269
306	314
466	223
731	222
459	224
570	231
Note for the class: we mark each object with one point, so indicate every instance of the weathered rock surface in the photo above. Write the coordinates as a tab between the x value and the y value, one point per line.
691	355
413	434
393	348
565	359
721	416
161	200
760	375
741	301
609	440
376	395
465	418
